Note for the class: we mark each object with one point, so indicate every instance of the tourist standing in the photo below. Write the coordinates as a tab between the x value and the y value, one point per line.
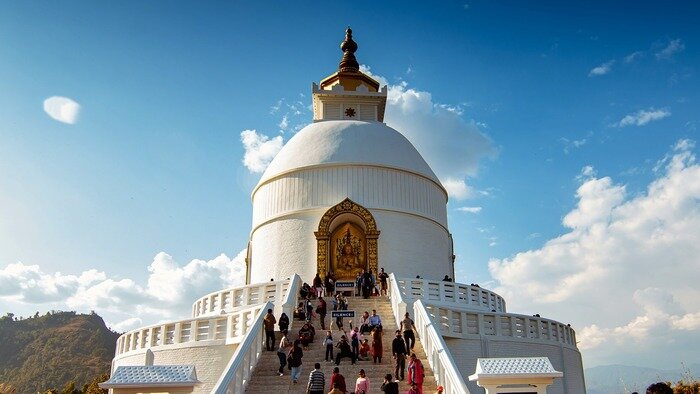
294	360
317	381
309	310
407	327
389	386
338	381
269	323
383	281
377	347
283	323
329	284
321	310
367	284
328	342
416	373
362	383
355	341
318	285
398	351
358	283
285	345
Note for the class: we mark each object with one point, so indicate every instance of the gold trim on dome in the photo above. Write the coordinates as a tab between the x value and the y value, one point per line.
325	231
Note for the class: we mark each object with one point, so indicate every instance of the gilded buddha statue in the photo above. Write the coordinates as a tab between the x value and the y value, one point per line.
350	261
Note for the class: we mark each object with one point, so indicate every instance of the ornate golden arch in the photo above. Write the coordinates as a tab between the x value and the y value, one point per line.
324	232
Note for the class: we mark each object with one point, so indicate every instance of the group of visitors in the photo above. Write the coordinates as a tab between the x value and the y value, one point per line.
352	345
317	380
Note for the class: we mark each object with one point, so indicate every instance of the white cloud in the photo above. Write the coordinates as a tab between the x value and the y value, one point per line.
452	145
602	69
457	188
673	47
167	294
625	273
284	123
62	109
642	117
259	149
572	144
633	56
469	209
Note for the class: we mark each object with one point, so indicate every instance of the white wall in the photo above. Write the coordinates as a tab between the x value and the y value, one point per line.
410	211
408	246
369	186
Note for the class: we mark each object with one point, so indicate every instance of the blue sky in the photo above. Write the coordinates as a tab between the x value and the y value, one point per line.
152	164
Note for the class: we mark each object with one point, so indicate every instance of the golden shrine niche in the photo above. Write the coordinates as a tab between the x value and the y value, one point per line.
347	241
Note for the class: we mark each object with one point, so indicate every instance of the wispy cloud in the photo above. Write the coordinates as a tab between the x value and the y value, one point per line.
284	123
572	144
259	149
603	69
673	47
469	209
62	109
642	117
633	56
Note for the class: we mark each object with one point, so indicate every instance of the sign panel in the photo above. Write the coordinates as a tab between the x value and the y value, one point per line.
344	285
343	314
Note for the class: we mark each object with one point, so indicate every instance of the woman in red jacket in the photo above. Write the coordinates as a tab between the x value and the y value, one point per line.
416	373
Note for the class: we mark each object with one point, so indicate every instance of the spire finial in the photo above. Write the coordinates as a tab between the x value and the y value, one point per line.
348	46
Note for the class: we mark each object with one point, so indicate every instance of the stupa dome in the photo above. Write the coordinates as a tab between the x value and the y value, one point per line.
347	142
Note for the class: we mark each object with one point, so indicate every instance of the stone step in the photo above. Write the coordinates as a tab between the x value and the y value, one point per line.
265	378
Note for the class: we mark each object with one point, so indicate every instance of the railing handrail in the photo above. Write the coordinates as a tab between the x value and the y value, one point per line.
493	300
437	352
398	305
219	328
290	300
245	289
243	355
566	337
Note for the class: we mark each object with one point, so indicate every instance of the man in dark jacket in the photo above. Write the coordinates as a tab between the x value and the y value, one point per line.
321	310
398	351
389	386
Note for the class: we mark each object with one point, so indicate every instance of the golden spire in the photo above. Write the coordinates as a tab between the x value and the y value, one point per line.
348	46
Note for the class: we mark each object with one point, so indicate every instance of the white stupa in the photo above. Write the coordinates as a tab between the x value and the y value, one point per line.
349	178
349	194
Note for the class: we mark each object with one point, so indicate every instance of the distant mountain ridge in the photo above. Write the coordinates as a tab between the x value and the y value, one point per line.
44	352
613	379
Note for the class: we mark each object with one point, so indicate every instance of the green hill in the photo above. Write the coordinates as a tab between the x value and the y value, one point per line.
45	352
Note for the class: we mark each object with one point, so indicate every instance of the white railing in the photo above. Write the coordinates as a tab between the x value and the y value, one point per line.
239	370
439	357
225	301
398	305
289	302
460	323
201	331
437	292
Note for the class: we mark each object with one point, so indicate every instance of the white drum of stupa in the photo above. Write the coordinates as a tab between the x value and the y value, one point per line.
348	193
